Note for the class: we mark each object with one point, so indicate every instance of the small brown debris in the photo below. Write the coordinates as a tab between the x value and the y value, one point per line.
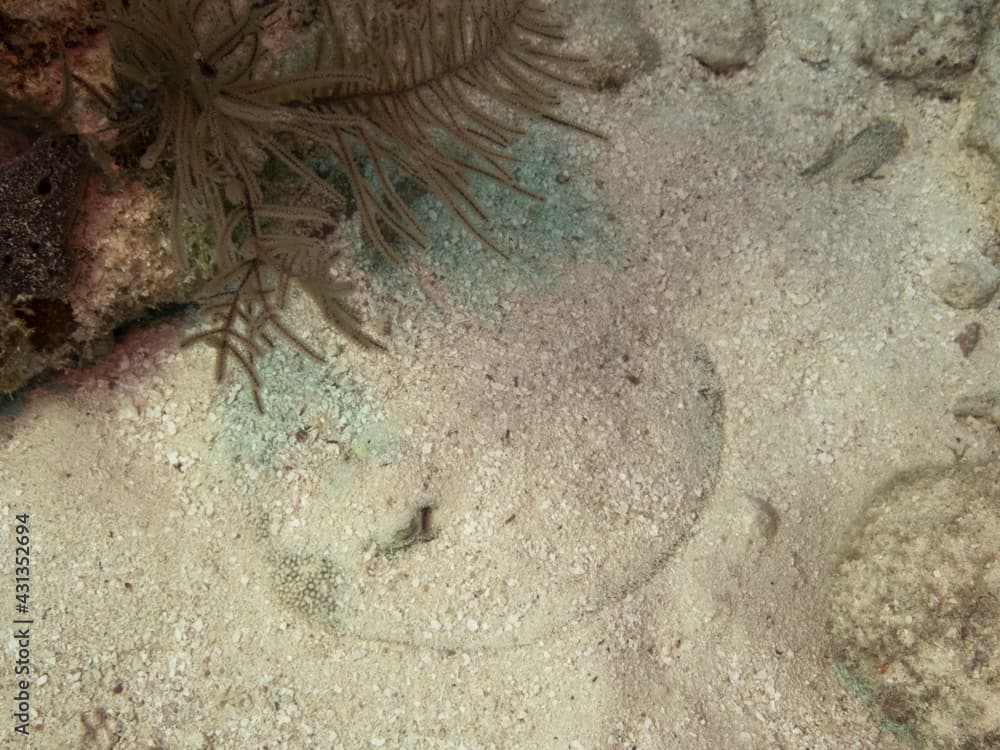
968	338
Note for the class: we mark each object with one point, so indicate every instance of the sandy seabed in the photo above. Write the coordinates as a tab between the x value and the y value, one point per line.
593	494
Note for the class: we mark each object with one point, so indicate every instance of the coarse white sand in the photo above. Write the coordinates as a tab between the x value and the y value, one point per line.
592	494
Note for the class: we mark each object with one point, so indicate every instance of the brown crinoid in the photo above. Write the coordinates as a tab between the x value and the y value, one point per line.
428	91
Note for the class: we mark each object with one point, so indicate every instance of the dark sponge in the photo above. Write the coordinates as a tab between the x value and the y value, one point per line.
40	192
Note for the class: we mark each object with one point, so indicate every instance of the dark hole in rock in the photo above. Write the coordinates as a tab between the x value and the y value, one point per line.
50	320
